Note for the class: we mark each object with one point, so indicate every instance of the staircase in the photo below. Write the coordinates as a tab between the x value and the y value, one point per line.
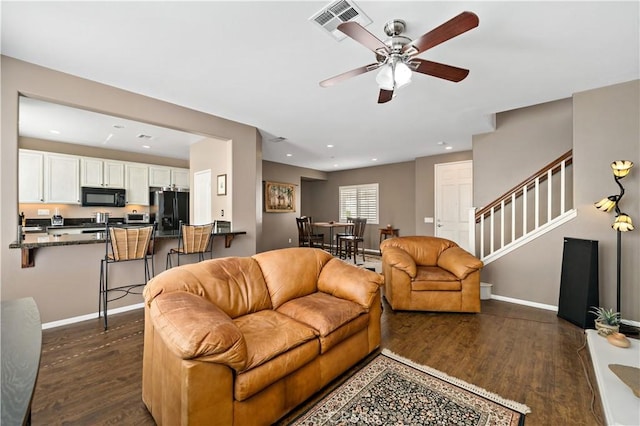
531	208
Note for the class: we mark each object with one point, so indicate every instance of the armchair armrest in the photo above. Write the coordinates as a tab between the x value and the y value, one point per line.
459	262
349	282
400	259
193	327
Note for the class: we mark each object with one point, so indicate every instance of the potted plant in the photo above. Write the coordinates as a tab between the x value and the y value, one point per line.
607	321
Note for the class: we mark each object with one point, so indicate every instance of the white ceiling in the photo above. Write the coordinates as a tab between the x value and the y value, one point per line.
260	62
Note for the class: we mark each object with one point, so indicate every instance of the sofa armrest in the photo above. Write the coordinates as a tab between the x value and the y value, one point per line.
194	327
349	282
459	262
400	259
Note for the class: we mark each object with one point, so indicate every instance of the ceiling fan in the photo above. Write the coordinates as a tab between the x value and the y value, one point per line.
396	56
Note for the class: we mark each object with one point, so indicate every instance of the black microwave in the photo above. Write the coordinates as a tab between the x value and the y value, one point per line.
103	197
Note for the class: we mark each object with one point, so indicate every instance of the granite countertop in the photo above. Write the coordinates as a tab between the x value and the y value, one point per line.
35	240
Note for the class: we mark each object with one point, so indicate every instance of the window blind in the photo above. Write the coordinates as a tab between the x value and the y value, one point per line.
359	201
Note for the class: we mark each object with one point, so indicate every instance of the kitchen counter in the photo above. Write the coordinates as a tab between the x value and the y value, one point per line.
32	241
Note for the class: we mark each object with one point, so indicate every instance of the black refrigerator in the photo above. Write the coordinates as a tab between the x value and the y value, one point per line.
169	208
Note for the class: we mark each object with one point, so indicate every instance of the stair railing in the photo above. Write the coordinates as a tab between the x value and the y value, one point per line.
517	199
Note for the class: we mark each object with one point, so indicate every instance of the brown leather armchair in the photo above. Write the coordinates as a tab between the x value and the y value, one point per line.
430	274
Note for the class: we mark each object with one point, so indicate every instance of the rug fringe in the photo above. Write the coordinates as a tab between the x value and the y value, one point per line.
514	405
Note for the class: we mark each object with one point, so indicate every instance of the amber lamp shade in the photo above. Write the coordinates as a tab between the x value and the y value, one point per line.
621	168
623	223
606	204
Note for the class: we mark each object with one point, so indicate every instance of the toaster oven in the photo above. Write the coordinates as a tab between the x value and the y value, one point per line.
135	217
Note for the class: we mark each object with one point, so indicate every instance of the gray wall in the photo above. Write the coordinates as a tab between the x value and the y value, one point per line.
396	197
604	126
279	228
524	141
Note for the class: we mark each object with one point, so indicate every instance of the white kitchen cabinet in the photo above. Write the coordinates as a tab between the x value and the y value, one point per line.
160	176
31	177
62	179
113	174
91	171
96	172
180	178
137	183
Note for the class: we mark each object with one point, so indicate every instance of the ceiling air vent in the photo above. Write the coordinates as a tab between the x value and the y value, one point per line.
336	13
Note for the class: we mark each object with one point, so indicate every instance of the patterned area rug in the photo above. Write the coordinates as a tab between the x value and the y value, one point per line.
391	390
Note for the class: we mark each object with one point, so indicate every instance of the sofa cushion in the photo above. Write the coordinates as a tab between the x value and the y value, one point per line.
322	312
234	284
194	327
250	382
268	334
292	272
429	278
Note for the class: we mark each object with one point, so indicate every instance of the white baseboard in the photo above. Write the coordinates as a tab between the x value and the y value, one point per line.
546	307
86	317
525	302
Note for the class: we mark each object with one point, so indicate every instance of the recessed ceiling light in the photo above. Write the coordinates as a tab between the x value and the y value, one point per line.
329	146
335	165
448	147
441	143
374	159
55	132
289	155
118	126
146	146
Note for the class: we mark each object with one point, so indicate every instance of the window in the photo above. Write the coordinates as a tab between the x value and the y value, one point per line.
359	201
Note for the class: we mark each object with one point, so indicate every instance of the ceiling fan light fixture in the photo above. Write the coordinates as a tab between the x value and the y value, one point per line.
402	74
385	77
393	75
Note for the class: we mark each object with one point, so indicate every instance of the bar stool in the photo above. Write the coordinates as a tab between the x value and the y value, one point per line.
192	239
123	244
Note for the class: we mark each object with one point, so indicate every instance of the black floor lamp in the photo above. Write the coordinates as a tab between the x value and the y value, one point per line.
622	223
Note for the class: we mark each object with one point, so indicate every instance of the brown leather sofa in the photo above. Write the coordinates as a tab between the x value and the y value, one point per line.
243	340
430	274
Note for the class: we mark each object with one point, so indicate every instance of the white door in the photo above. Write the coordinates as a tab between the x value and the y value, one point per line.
454	197
201	197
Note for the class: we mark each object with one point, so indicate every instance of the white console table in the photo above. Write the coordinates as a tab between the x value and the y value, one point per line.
620	405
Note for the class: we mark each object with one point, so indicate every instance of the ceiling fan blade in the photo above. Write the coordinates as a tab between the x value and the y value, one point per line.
450	29
345	75
439	70
364	37
385	96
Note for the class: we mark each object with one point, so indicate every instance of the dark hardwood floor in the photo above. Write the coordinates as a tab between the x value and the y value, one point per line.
91	377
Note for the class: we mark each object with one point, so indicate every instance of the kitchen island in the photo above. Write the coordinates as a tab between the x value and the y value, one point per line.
32	241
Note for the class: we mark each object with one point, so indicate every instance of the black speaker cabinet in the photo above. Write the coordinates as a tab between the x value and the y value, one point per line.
579	282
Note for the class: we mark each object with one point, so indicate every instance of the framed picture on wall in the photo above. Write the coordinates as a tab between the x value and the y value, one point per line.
222	184
279	197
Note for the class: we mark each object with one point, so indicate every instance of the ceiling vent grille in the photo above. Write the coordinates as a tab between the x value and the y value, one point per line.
335	14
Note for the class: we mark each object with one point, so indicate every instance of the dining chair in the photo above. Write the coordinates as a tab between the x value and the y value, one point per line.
348	231
192	239
122	244
351	242
306	237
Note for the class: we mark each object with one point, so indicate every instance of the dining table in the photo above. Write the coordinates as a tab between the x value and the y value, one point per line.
332	225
